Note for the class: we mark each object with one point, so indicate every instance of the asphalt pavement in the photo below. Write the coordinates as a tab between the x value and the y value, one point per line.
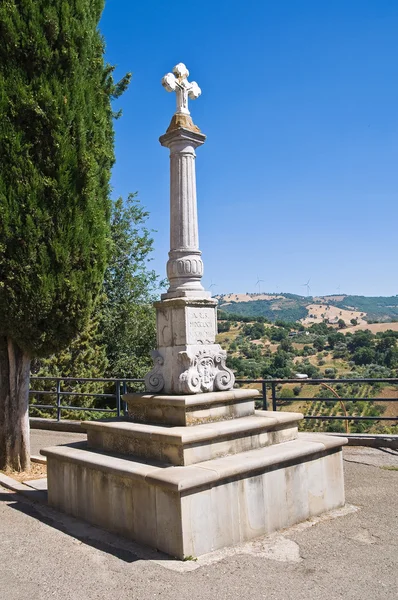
40	438
44	554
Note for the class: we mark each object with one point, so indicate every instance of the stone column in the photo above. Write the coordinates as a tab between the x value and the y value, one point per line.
187	359
185	266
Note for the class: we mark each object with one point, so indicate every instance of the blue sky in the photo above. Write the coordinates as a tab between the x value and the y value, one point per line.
298	177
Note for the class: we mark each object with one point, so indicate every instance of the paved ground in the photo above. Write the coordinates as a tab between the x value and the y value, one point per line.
40	438
44	554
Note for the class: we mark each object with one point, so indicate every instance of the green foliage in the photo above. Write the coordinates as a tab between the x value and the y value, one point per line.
377	308
319	343
320	329
126	315
364	356
255	361
360	339
277	334
308	369
293	308
335	338
286	394
84	358
222	315
56	154
330	373
289	309
121	334
255	331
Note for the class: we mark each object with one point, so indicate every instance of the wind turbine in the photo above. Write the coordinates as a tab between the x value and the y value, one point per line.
258	283
212	285
307	285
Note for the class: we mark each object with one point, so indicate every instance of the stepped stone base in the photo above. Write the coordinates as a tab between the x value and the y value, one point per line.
192	510
190	445
190	409
215	473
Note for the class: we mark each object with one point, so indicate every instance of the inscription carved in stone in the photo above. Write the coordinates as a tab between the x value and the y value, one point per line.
201	325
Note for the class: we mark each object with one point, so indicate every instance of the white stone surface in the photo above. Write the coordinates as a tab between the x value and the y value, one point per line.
185	265
193	510
190	445
177	82
187	359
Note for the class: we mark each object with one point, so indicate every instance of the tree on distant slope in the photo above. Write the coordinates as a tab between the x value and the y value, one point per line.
56	152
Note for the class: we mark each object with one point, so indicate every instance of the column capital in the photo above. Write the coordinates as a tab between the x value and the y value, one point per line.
181	134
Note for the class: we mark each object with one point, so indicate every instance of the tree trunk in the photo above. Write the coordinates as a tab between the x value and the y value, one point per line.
14	406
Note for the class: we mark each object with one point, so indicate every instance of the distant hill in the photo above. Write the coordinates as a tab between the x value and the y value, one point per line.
291	307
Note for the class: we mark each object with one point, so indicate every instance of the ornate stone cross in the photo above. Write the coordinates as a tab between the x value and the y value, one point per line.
187	359
177	82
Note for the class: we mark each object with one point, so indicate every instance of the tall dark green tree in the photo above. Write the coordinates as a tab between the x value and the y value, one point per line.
56	153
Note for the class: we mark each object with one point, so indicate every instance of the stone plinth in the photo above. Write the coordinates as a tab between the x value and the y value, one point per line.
201	480
193	510
190	409
187	359
185	446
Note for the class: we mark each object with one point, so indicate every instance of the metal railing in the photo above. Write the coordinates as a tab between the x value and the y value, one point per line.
269	398
121	386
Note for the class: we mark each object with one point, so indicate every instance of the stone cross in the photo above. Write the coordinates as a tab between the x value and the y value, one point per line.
177	82
187	359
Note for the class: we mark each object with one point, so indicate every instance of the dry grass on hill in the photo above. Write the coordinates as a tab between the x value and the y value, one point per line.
374	327
248	297
327	311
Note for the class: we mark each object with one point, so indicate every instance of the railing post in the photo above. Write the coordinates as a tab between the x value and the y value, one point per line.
264	390
273	390
124	403
58	399
117	398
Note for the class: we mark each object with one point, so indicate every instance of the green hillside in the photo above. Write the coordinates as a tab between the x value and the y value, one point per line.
377	308
257	350
290	307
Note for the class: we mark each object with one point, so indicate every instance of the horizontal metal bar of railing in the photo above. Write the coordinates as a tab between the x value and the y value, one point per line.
266	385
346	399
349	418
99	380
321	380
67	407
53	393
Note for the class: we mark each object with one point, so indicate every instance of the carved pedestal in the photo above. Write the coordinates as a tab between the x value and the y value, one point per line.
187	359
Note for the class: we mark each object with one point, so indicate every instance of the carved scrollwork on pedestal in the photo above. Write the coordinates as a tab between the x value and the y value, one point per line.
205	371
224	379
154	381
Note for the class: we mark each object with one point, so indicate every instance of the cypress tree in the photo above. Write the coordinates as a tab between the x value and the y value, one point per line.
56	153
